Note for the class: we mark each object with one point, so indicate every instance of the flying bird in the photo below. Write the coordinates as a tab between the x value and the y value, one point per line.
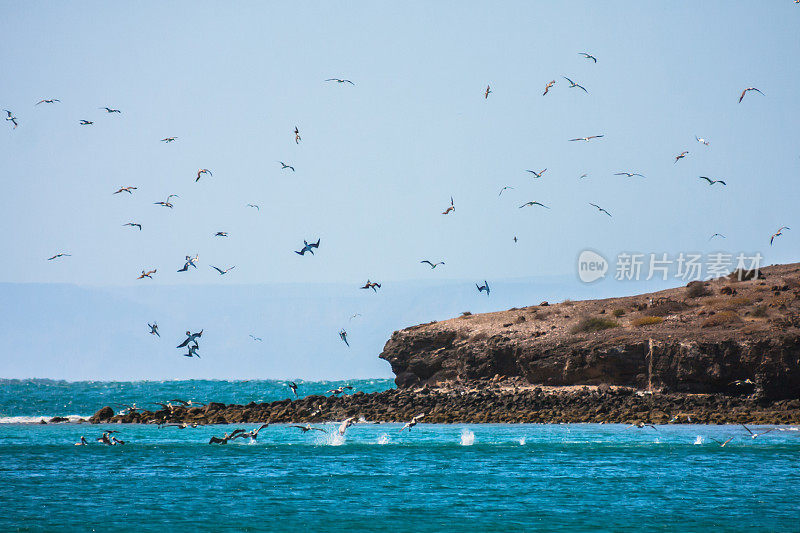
221	234
630	174
109	110
257	339
58	255
338	80
292	385
340	389
755	435
255	206
748	90
778	233
721	443
600	208
48	101
343	336
86	122
223	272
413	422
589	138
452	207
432	265
10	117
701	141
308	247
147	274
190	337
487	92
127	189
641	425
537	174
717	235
572	85
583	176
346	423
710	181
547	87
504	188
484	287
190	261
307	428
167	203
252	435
588	56
371	285
224	439
681	155
526	204
134	224
168	139
193	351
153	329
285	166
296	135
202	171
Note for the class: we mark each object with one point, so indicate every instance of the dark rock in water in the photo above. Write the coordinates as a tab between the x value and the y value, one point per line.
42	421
214	406
57	419
103	415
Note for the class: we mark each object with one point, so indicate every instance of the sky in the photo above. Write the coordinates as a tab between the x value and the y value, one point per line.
377	162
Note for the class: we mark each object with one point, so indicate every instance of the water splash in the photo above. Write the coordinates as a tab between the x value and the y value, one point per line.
383	439
334	439
467	437
698	440
522	441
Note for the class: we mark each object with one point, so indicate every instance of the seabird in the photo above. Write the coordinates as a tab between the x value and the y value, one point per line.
82	442
190	261
296	135
109	110
346	423
285	166
414	421
701	141
193	351
487	92
134	224
484	287
307	428
168	139
221	234
224	439
746	91
432	265
48	101
257	339
292	385
572	84
129	189
629	174
253	434
503	189
254	205
717	235
371	285
355	315
600	208
452	207
308	247
588	56
755	435
641	425
223	272
681	155
190	337
583	176
526	204
61	254
778	233
10	117
153	329
537	174
182	425
339	80
710	181
721	444
148	274
547	87
86	122
589	138
202	171
343	336
340	389
167	202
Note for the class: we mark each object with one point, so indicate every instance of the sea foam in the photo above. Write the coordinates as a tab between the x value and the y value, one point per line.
467	437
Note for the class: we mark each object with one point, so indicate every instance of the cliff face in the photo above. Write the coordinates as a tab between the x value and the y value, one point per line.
730	336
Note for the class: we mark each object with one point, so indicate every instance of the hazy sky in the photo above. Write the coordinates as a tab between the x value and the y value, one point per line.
379	161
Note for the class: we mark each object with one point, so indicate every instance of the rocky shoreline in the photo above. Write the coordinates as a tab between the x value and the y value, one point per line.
485	402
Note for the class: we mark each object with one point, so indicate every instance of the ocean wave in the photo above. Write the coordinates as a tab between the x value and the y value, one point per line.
38	419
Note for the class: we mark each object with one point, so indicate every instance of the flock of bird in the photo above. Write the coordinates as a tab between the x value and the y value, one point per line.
750	432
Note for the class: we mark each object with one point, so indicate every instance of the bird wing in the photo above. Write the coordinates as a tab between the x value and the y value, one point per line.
742	96
747	428
217	269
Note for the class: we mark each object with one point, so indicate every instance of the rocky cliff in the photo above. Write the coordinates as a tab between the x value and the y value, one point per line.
723	336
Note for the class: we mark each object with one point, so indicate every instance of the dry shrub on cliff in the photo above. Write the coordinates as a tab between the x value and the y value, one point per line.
760	311
647	321
696	289
466	314
720	319
618	312
481	335
540	315
593	323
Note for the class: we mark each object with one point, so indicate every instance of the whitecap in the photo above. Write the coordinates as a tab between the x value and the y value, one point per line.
467	437
522	441
698	440
383	439
37	419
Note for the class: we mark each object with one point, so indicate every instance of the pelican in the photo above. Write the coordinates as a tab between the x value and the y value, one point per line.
223	272
86	123
778	233
134	224
307	428
308	247
129	189
60	254
432	265
182	425
148	274
537	174
285	166
339	80
717	235
190	337
82	442
153	329
109	110
589	138
414	421
721	444
10	117
526	204
343	336
746	91
224	439
701	141
484	287
600	208
641	425
681	155
630	174
547	87
292	385
253	434
193	351
221	234
48	101
710	181
202	171
371	285
588	56
296	135
755	435
572	85
167	203
452	207
503	189
583	176
487	92
257	339
168	139
346	423
255	206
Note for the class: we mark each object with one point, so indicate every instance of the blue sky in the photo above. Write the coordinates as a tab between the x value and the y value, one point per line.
379	161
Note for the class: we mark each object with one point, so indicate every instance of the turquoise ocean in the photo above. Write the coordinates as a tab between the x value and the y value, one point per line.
442	477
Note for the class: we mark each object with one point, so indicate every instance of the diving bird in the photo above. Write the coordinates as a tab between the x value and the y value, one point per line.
432	265
547	87
503	189
588	56
307	428
778	233
109	110
701	141
48	101
537	174
257	339
10	117
86	123
600	208
153	329
589	138
487	92
717	235
755	435
484	287
710	181
371	285
255	206
285	166
148	274
221	234
630	174
129	189
343	336
414	421
253	434
572	85
292	385
526	204
223	272
296	135
681	155
346	423
134	224
190	337
338	80
60	254
168	139
721	443
202	171
193	351
190	261
308	247
452	207
225	438
746	91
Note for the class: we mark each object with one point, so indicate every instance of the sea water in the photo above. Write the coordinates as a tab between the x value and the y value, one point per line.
436	477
